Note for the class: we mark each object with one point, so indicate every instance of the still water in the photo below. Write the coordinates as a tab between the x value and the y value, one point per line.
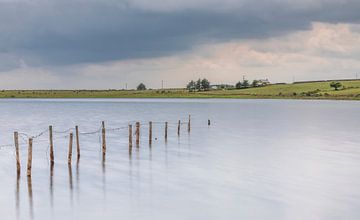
259	159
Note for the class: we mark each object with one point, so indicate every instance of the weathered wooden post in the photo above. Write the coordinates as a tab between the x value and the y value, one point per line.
103	139
29	157
189	124
51	144
150	132
70	148
16	140
130	137
166	130
209	122
77	142
137	134
178	130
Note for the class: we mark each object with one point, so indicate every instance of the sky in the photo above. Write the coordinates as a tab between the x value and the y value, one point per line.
108	44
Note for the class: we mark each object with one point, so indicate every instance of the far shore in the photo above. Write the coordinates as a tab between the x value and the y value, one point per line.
311	90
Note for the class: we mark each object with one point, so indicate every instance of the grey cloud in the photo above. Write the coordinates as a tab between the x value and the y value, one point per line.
72	32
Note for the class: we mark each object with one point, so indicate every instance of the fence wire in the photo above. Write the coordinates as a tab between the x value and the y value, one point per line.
24	137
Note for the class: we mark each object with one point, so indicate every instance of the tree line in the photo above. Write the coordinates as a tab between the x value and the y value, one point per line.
199	85
246	84
204	85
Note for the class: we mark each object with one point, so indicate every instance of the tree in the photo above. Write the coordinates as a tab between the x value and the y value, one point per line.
245	83
198	85
335	85
205	84
141	86
255	83
238	85
191	86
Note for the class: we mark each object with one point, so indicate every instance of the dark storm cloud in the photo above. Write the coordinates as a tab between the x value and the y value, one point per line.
71	32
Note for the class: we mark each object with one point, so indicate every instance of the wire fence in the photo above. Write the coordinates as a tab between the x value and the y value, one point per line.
59	134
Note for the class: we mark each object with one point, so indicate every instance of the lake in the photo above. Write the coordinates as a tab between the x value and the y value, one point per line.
259	159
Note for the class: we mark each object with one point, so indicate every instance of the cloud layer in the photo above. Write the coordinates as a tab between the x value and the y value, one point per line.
326	51
68	32
78	37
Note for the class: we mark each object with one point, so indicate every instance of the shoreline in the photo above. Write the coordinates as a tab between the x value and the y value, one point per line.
350	90
337	98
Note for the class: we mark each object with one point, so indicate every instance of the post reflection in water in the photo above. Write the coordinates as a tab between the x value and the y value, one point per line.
166	154
103	169
70	183
17	196
77	178
130	169
150	154
52	185
30	194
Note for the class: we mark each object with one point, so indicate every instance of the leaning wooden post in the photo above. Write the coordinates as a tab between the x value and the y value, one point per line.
70	148
77	142
189	124
178	131
103	138
166	130
137	133
51	144
130	137
16	140
29	157
150	132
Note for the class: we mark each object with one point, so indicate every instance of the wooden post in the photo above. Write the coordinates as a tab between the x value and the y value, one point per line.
103	139
189	124
166	130
209	122
150	132
178	131
130	137
16	140
77	142
51	144
70	148
137	134
29	157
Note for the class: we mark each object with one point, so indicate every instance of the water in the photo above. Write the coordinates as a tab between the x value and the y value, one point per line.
259	159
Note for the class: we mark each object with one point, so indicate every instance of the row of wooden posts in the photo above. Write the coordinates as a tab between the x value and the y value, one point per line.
103	130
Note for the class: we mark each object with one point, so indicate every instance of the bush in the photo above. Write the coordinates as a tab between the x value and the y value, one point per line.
141	86
335	85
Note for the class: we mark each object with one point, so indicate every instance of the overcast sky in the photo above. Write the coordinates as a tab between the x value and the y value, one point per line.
105	44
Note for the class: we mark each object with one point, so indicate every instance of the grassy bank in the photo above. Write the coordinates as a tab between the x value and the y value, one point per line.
313	90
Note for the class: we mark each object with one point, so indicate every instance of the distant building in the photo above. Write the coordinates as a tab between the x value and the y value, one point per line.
221	86
264	82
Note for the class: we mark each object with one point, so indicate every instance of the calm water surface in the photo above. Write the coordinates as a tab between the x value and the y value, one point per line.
259	159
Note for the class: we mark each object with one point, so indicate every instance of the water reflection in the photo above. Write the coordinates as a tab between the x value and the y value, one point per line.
30	194
103	168
78	178
70	183
130	151
166	154
17	195
150	154
52	185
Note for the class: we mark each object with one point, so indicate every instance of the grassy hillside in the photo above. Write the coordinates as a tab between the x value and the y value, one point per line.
313	90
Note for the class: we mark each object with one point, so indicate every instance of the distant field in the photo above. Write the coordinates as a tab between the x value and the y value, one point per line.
313	90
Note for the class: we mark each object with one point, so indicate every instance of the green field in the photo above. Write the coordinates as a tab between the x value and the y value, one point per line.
312	90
